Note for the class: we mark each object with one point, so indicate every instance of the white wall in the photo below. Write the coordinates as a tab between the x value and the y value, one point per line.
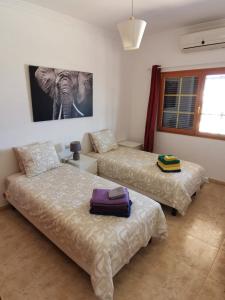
162	48
33	35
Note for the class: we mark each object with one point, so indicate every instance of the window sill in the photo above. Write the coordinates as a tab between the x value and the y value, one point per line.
198	134
211	136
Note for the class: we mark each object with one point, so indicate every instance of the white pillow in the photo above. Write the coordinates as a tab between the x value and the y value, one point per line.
39	158
104	140
92	143
17	151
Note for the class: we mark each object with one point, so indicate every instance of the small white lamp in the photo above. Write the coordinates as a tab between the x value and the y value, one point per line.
131	32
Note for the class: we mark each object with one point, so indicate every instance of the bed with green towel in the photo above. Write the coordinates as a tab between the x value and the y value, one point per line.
139	170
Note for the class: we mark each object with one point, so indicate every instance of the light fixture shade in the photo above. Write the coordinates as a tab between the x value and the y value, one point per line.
131	33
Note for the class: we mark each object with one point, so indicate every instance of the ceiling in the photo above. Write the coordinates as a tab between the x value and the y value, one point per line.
160	14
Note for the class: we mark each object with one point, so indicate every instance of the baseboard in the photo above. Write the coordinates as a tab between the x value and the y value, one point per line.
216	181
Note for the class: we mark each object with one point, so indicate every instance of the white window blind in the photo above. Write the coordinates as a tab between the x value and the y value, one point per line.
179	102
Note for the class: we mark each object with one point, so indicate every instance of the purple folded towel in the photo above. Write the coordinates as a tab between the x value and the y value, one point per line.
100	197
112	212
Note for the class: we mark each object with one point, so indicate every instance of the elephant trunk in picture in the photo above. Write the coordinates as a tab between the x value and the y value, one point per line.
66	93
68	89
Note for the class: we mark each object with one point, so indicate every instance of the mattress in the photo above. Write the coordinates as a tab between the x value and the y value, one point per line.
137	169
57	203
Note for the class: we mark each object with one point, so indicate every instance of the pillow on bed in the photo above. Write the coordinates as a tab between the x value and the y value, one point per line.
17	151
92	143
39	158
104	140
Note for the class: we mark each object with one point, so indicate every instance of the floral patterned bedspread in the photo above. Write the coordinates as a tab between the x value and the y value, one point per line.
138	170
57	203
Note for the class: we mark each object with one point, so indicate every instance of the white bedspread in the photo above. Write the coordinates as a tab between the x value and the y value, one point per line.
57	203
137	169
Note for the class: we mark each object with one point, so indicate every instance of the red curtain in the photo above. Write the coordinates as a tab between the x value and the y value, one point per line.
152	109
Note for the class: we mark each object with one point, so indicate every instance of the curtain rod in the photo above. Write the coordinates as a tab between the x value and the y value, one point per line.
196	65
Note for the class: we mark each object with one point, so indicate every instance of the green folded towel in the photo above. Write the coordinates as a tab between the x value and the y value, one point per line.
171	162
168	171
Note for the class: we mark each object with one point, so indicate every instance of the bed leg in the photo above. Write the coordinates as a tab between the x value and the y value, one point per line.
194	194
174	212
148	242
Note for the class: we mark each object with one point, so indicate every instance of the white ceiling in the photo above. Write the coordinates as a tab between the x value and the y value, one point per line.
160	14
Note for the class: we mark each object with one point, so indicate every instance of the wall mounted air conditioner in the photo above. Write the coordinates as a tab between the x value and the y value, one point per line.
203	40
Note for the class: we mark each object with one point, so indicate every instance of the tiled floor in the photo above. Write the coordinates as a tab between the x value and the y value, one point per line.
190	265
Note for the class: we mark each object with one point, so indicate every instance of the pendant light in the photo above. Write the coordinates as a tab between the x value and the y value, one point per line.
131	31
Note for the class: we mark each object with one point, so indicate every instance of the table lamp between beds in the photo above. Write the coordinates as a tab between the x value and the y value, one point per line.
75	147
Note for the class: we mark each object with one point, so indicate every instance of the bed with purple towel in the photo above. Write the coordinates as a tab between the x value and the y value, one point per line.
57	202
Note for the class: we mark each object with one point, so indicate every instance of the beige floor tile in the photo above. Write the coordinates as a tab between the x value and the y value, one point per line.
209	229
223	245
217	272
11	294
213	189
209	203
186	248
212	290
205	229
10	217
193	252
166	278
22	268
65	281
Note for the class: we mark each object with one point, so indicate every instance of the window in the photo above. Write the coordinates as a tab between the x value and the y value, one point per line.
193	102
212	118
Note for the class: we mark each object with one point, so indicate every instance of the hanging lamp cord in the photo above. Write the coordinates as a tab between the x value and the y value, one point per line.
132	8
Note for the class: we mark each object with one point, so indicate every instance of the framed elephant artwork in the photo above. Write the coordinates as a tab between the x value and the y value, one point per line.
60	94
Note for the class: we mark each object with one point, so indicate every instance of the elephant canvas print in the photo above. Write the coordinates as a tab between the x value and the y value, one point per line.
60	94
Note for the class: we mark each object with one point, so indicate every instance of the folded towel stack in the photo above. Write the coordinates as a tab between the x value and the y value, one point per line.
168	163
118	204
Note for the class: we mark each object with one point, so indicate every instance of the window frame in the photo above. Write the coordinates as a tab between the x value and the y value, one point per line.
201	74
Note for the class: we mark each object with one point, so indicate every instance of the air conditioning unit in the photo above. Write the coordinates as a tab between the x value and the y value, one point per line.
203	40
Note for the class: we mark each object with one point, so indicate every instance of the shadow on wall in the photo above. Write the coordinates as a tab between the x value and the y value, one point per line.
122	110
28	89
7	162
